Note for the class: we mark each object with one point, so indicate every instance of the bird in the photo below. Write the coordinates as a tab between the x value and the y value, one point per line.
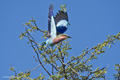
56	27
61	21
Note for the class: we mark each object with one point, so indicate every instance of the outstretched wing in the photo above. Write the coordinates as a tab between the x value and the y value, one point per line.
51	23
61	20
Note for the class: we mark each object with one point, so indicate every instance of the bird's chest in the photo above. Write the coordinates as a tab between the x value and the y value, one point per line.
58	39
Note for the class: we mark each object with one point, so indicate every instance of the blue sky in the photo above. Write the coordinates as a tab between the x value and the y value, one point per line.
91	21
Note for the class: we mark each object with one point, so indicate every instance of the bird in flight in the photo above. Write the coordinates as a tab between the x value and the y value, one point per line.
56	27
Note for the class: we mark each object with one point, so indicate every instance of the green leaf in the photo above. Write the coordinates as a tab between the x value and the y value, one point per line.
32	20
12	68
34	27
20	74
35	49
53	76
28	23
95	57
117	65
63	7
28	74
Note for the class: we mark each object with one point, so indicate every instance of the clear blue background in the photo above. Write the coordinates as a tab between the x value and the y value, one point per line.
91	21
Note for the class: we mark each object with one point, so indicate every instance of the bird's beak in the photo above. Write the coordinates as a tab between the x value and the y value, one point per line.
68	37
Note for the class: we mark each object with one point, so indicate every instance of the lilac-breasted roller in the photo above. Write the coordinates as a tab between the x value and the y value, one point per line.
56	27
61	21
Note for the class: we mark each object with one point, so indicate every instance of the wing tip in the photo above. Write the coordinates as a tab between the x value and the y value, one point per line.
61	15
51	6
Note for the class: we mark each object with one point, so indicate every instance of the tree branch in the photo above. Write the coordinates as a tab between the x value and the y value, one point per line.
35	68
81	55
37	54
36	44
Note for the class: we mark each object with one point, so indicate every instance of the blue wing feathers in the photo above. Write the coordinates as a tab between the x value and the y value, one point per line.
61	29
51	10
49	19
61	16
61	21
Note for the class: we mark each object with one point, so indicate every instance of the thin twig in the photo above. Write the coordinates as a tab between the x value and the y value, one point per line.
38	55
62	61
52	61
14	71
36	67
39	50
73	70
95	72
80	55
37	26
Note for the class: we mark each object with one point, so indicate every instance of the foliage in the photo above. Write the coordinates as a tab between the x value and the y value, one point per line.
56	57
63	7
24	75
117	76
